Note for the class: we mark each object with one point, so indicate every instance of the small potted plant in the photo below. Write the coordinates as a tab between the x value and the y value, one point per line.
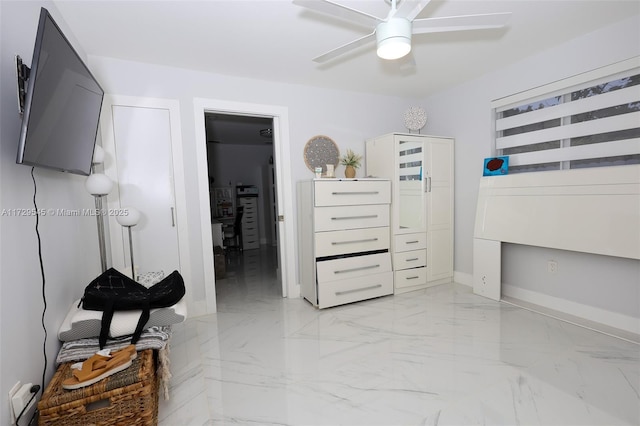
351	161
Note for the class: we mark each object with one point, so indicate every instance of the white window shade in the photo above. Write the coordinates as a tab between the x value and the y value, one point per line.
591	120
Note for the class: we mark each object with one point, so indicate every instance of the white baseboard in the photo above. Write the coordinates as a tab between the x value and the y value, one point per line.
598	319
198	308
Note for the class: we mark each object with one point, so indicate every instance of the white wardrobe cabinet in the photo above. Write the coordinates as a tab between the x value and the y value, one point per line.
421	171
344	240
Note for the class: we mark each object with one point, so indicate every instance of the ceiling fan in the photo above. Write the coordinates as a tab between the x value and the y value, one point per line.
393	33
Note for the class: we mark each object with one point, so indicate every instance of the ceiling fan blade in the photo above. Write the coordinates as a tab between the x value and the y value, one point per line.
409	9
460	23
345	48
339	11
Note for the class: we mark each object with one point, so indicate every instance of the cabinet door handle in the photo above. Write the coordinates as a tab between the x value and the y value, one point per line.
368	240
173	219
413	278
373	216
361	268
427	184
412	242
412	260
355	290
356	193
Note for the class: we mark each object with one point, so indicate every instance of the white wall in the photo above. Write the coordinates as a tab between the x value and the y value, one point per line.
464	112
69	244
348	118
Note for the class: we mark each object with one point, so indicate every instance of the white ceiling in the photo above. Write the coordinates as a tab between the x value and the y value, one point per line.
275	40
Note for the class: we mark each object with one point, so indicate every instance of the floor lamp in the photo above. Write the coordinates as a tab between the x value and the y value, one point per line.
130	220
99	185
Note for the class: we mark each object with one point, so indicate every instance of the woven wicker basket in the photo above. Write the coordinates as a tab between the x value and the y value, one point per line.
129	398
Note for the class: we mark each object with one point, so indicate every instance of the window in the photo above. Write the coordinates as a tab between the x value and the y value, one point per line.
590	120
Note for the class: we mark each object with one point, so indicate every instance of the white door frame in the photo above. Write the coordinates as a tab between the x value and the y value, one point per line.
284	197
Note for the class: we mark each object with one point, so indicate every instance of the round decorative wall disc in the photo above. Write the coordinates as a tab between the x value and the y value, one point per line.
320	151
415	118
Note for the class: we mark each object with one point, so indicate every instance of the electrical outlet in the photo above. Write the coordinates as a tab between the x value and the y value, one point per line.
21	398
552	266
14	390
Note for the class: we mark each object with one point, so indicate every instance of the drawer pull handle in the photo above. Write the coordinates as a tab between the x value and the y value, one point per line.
412	259
412	242
368	240
372	216
413	278
355	290
356	193
361	268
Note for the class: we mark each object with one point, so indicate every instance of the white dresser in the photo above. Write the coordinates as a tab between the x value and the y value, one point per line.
250	229
344	240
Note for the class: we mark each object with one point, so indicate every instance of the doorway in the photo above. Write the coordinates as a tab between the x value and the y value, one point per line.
242	192
281	158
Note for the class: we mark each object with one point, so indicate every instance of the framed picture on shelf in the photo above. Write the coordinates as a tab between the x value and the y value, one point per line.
496	166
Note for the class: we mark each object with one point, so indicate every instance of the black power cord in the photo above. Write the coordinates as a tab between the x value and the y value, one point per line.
44	297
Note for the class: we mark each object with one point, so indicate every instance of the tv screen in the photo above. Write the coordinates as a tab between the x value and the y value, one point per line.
62	105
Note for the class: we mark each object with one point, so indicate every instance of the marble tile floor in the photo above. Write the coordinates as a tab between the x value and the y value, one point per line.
440	356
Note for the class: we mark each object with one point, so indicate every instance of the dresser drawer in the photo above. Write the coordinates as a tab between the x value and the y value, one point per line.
351	217
410	277
406	242
349	193
250	215
251	241
409	259
351	267
346	291
352	241
252	219
249	231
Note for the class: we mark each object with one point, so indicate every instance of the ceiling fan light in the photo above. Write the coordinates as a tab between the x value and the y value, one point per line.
394	38
394	48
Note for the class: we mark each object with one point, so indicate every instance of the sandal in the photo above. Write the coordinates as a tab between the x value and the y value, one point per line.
131	350
97	368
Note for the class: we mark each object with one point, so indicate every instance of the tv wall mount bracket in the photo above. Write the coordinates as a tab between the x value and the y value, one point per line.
22	72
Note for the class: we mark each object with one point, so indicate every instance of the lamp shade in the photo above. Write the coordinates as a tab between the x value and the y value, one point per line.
98	184
393	38
131	218
98	155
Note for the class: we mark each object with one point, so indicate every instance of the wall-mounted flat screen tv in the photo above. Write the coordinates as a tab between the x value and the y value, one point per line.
62	103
